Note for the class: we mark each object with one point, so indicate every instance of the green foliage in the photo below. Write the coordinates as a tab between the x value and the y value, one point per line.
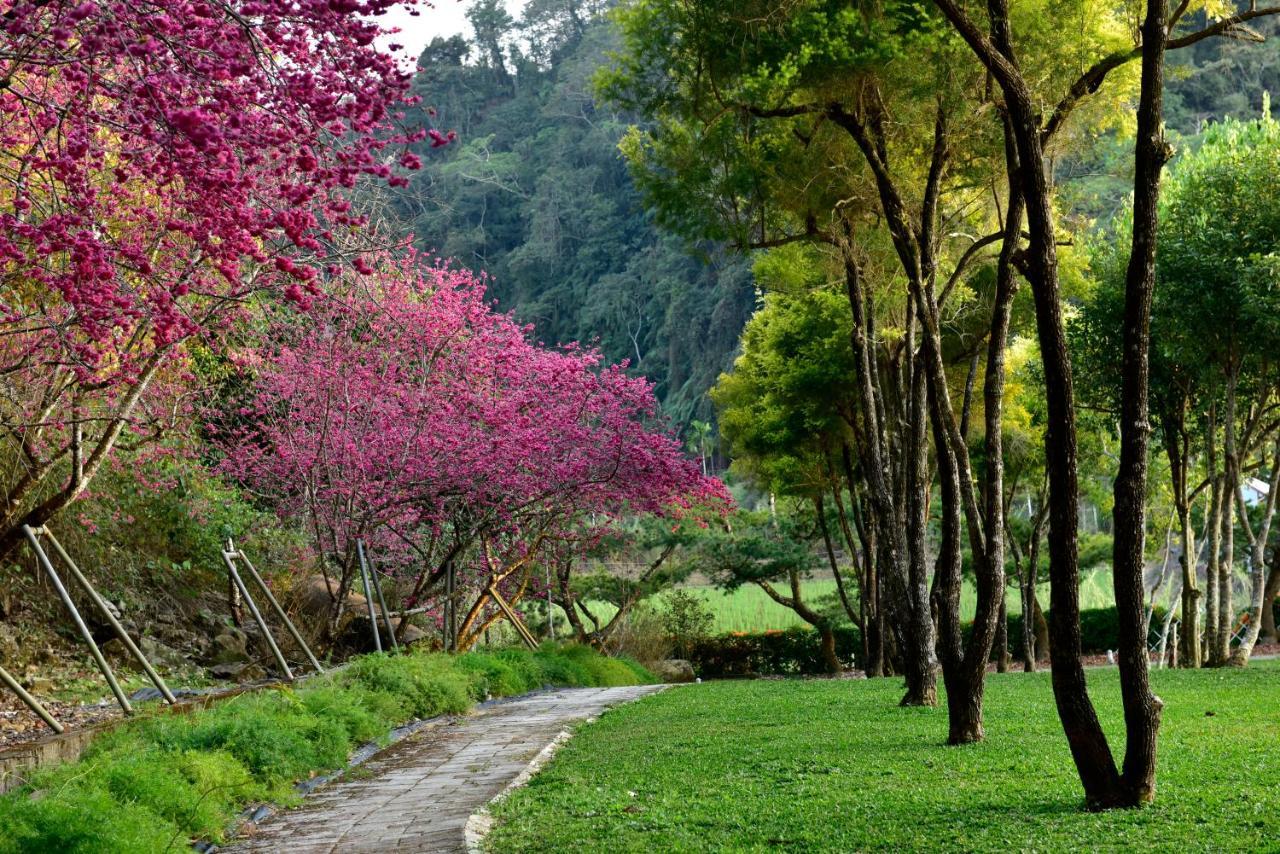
791	652
158	782
686	619
834	765
796	651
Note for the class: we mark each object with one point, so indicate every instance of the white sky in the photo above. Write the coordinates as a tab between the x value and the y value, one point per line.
443	18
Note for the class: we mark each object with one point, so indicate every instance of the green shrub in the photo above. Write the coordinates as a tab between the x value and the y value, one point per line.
428	685
497	676
789	652
80	818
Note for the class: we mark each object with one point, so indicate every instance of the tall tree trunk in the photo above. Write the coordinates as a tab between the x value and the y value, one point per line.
918	655
1141	707
1257	566
1220	651
1176	449
915	635
1213	530
1002	640
1269	634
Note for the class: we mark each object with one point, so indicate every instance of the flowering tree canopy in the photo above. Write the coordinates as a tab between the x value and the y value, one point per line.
409	413
159	161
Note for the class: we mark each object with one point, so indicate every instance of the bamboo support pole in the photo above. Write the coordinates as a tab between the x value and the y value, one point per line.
228	558
382	605
275	604
44	561
32	702
111	618
368	595
511	615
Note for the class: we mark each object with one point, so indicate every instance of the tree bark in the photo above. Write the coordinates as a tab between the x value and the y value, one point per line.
915	635
1176	449
1213	530
1269	634
1258	602
1141	707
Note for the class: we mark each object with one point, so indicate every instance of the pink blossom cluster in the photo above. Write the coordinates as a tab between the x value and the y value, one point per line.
407	409
159	155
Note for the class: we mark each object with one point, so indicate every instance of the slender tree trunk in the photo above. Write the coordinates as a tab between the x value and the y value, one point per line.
1179	464
830	660
1213	530
916	635
1141	707
918	650
1257	568
1043	652
1039	262
1002	640
1269	634
1220	653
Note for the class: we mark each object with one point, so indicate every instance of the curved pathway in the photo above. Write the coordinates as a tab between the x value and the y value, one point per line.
417	795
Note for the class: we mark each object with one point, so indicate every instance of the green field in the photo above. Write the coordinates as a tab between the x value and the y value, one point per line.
749	609
835	765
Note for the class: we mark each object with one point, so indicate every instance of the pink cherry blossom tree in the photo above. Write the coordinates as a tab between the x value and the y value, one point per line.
161	162
407	413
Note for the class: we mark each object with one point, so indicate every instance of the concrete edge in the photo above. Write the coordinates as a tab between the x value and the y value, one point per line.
480	823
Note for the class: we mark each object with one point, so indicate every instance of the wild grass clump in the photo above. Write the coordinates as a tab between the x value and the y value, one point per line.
159	782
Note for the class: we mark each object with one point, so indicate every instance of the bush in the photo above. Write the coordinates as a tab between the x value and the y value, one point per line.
153	783
688	621
791	652
642	635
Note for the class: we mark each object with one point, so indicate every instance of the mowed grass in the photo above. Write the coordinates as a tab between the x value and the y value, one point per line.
835	766
749	609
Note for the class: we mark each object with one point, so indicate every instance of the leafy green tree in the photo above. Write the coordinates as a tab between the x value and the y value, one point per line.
769	549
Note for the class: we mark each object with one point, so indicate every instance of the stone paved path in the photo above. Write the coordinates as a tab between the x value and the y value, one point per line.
417	795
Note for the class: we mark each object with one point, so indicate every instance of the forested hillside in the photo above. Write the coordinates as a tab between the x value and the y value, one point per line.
1208	81
535	192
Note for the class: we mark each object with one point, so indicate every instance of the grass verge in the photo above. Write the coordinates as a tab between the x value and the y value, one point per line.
835	765
158	782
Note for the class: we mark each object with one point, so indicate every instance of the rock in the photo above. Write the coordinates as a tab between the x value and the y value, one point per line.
231	646
210	622
238	672
38	685
314	596
412	634
8	643
673	670
161	655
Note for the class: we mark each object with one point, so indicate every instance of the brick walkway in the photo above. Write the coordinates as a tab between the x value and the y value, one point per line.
417	795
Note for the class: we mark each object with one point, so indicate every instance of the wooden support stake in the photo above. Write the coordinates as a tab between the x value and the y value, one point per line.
521	628
229	558
111	618
32	702
43	560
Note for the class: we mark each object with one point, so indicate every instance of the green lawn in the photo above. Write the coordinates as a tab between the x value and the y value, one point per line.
749	609
835	765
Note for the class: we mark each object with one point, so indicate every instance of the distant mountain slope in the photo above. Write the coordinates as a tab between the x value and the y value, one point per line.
535	192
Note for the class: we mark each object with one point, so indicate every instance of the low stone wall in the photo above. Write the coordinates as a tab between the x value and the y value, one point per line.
16	763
